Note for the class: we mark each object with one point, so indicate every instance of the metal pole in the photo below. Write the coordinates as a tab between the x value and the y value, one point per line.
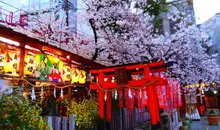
67	14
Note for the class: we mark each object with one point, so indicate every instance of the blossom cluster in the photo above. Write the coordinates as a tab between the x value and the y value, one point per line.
125	34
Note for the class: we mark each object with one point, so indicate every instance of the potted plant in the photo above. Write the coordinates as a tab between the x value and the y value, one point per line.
184	127
212	117
186	123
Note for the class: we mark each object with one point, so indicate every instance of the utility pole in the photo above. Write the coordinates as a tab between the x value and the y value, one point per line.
67	12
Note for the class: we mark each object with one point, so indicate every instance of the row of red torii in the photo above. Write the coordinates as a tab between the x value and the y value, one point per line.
151	89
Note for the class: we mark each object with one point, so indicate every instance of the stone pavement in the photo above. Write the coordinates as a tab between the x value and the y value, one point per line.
203	125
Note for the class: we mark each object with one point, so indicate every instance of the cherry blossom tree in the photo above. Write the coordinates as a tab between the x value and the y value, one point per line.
49	25
125	34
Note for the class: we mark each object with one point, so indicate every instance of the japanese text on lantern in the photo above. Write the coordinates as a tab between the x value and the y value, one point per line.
50	68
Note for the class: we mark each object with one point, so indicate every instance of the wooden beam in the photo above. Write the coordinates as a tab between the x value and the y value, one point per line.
155	66
69	94
22	57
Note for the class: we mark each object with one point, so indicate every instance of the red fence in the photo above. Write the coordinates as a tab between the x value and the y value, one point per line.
16	18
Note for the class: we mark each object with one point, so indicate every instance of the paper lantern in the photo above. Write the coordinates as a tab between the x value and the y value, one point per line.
75	75
66	73
29	65
11	63
82	76
1	63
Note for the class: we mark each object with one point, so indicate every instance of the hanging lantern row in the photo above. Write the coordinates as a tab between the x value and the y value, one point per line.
201	87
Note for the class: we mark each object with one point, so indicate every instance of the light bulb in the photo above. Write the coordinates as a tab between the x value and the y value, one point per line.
113	79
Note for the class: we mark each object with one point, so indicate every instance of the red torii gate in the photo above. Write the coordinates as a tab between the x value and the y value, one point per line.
146	84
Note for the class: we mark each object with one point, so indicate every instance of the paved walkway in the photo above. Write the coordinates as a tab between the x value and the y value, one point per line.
203	125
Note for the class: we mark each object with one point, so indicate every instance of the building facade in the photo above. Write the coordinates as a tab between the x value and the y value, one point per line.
167	26
212	26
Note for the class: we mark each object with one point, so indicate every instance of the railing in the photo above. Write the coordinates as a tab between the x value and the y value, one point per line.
16	18
21	18
122	120
5	16
61	123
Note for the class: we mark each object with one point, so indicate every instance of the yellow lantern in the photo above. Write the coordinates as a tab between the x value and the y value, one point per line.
66	73
203	84
75	75
82	76
206	84
214	84
1	63
29	65
11	63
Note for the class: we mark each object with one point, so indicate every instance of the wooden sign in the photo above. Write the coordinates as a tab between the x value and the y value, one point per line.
121	76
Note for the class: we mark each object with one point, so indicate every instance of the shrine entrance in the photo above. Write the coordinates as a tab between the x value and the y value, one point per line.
138	89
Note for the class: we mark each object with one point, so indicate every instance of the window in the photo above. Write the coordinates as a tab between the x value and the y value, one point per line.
173	26
160	27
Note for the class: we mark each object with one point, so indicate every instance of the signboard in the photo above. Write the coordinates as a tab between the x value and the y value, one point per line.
50	68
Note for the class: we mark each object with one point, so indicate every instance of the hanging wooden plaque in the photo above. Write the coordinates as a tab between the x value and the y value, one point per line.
121	76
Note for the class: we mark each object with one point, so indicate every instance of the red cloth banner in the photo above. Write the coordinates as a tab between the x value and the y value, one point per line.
120	98
162	96
129	96
144	98
139	98
175	94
